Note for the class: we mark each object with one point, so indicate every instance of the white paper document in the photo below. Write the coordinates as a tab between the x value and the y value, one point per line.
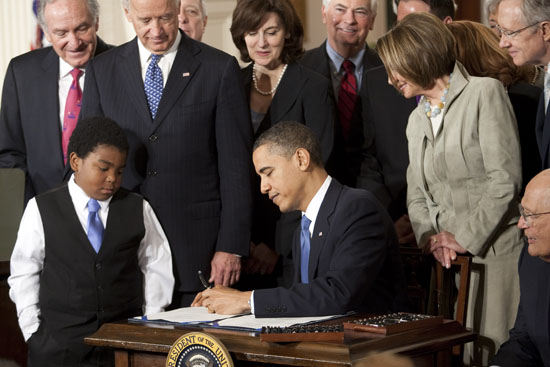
200	315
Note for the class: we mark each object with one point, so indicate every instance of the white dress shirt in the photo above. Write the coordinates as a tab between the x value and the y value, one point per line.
65	81
165	62
311	213
27	259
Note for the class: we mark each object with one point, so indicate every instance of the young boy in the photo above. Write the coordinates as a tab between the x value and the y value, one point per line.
87	253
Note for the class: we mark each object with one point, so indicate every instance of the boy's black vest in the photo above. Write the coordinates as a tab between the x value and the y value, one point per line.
79	289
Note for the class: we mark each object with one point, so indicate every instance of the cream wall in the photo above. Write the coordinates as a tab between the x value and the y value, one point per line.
16	26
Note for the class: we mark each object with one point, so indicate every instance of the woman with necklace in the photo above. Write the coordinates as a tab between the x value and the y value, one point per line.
464	174
269	34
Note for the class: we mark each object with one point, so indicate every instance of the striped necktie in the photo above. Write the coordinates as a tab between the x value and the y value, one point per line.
72	110
347	96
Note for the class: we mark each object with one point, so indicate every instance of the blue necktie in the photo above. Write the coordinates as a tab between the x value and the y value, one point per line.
153	84
95	227
304	247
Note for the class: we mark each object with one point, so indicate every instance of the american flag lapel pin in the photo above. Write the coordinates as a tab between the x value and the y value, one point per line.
320	234
185	75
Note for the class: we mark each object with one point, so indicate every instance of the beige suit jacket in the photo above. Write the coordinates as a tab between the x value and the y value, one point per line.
477	165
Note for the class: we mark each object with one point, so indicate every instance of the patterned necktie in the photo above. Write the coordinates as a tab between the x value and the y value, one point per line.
95	227
153	84
347	96
304	249
546	89
72	109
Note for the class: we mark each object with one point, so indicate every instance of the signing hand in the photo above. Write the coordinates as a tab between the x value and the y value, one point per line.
223	300
226	269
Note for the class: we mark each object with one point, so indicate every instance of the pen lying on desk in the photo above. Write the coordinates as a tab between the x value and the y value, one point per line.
205	284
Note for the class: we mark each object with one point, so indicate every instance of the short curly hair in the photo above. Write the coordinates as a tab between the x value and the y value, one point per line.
92	132
249	15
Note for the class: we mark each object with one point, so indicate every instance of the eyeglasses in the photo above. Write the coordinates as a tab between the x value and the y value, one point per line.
526	217
512	34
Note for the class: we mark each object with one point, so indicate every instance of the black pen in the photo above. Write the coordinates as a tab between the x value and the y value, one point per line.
205	284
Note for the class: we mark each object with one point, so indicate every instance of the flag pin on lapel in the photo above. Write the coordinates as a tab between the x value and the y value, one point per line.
320	234
185	75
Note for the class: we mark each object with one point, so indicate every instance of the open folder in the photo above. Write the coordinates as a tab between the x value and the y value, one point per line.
201	317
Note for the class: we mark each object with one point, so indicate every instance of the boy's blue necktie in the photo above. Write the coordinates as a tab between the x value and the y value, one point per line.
153	84
304	246
95	227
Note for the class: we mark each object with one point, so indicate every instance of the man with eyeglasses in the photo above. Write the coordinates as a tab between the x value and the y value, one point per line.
524	27
529	342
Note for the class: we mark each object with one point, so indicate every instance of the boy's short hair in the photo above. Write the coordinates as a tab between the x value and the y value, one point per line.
91	132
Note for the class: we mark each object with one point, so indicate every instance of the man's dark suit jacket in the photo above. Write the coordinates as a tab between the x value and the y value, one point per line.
525	99
347	157
529	343
386	114
30	130
192	162
302	96
543	132
354	262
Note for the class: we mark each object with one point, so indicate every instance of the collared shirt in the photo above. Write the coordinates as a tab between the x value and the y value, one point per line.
64	83
27	260
336	71
165	63
311	212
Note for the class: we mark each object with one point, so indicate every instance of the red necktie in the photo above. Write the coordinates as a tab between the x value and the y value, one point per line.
72	109
347	96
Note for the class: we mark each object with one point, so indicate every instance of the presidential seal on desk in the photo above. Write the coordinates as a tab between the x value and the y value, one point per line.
198	350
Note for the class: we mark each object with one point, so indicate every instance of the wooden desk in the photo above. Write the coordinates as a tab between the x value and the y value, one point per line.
140	345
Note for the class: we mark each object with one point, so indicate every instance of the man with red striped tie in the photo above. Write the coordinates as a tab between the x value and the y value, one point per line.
42	93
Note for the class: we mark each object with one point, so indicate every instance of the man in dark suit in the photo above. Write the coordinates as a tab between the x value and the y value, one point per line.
35	92
346	253
525	31
374	156
529	343
183	108
348	23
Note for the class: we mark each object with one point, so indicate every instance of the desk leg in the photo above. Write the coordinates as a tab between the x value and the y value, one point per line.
121	358
443	358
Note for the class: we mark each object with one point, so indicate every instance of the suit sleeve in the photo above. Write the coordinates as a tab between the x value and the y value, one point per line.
320	115
519	350
359	252
91	101
234	145
13	152
370	175
499	143
416	200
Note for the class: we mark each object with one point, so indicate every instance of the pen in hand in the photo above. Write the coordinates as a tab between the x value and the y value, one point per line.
205	284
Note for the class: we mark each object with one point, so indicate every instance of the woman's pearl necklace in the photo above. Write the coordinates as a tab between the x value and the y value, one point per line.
255	80
437	110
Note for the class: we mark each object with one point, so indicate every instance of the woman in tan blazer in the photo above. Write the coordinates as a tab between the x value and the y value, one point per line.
465	171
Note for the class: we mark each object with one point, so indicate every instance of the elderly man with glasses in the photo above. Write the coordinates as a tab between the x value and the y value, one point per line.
529	342
524	28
